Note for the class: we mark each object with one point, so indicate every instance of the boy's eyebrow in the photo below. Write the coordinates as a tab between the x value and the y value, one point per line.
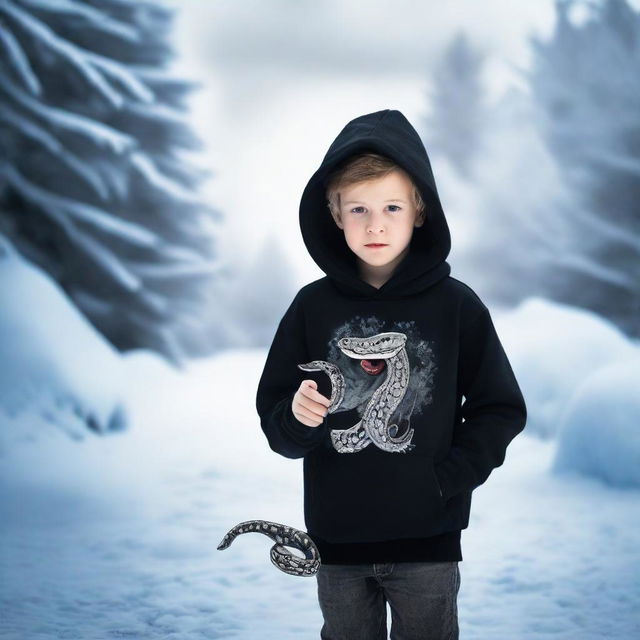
361	202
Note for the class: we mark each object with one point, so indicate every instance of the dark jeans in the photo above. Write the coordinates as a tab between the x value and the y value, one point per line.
422	597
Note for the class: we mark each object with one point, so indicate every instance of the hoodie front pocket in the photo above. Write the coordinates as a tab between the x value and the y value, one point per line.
373	495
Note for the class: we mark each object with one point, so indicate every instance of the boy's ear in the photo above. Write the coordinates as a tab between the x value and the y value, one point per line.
419	221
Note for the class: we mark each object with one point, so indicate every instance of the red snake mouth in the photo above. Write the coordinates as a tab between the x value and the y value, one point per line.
373	367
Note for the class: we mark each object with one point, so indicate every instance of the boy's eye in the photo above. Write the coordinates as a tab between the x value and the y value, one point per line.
392	207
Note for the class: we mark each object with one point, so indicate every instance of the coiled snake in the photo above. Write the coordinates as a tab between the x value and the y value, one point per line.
283	535
374	425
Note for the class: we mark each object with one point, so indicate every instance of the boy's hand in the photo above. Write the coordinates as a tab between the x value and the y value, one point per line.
309	405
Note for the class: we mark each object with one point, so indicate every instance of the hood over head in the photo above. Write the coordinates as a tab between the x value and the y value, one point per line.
389	133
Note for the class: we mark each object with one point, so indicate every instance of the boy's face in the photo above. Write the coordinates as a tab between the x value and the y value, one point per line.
378	217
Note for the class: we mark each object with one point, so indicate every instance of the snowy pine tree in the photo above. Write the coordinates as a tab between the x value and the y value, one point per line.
511	226
458	111
586	90
95	184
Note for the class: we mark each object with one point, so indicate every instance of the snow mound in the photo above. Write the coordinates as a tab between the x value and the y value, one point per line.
599	432
553	349
56	368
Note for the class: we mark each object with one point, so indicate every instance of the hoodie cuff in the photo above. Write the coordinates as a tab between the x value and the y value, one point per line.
299	432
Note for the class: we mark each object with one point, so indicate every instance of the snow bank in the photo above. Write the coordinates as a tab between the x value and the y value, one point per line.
553	349
579	375
57	370
600	427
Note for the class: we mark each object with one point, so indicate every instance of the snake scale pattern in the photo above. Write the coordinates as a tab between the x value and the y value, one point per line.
374	425
283	535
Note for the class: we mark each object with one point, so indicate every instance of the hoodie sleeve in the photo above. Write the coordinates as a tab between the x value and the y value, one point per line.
278	384
494	410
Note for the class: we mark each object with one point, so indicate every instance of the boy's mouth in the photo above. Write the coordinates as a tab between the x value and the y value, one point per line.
375	245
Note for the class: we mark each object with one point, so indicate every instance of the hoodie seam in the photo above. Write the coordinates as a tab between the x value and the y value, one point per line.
377	124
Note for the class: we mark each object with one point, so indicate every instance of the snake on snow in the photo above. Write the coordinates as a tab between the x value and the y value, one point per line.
283	535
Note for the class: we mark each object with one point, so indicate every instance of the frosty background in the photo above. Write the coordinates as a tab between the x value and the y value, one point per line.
153	156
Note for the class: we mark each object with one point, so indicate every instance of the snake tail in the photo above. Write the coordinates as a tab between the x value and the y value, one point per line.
284	536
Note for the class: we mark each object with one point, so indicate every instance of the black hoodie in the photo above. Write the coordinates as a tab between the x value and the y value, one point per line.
424	400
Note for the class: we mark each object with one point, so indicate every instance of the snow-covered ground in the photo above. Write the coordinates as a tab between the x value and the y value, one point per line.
115	535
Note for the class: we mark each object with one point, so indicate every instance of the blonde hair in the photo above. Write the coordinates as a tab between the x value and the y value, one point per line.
362	167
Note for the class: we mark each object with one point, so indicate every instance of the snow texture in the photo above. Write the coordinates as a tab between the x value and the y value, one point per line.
58	371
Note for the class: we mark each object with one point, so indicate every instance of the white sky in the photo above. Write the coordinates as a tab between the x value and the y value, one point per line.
282	77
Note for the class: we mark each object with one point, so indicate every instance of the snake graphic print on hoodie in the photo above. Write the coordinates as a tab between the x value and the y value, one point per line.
424	401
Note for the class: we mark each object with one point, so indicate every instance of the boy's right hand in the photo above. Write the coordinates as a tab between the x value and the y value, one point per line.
309	405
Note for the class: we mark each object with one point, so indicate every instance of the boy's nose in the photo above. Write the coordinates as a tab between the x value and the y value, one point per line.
375	225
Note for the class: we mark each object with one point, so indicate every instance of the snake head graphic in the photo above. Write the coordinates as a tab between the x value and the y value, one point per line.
382	346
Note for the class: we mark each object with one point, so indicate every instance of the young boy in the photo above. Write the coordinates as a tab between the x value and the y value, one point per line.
419	403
